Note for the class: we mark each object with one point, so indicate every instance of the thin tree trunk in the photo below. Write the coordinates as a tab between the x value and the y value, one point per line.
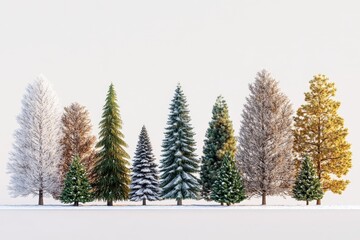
222	204
307	202
144	201
41	197
179	202
318	201
109	202
76	203
263	199
227	204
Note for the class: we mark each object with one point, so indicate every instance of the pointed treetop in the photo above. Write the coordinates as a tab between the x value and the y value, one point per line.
220	106
112	89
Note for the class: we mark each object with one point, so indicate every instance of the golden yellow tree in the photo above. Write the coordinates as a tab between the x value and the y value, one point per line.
319	133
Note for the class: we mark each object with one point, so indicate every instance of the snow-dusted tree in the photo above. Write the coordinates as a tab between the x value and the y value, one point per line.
179	162
36	155
111	174
77	139
265	142
77	187
307	185
228	186
144	178
219	139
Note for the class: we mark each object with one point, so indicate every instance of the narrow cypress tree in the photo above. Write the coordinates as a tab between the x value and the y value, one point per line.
111	171
145	177
228	187
307	185
219	139
76	185
179	162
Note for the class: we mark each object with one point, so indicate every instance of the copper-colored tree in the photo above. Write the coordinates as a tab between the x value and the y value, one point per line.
77	139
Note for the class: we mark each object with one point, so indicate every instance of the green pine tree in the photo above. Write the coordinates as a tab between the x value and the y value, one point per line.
76	185
219	139
179	165
111	171
228	187
307	185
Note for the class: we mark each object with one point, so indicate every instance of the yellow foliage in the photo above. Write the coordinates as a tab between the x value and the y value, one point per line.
319	133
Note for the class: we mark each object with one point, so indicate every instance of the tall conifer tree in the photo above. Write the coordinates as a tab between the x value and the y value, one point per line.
319	132
111	171
219	139
145	176
179	163
265	142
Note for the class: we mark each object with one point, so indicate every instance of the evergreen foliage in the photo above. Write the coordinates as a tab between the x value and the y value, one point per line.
219	139
320	133
36	155
266	140
145	176
307	185
111	172
76	185
228	187
179	163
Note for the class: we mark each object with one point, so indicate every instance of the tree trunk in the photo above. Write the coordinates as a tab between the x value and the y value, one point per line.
41	197
179	202
318	202
109	202
222	204
227	204
307	202
263	199
144	201
76	203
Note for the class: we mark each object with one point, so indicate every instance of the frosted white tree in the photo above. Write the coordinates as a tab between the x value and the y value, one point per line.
265	142
36	155
145	176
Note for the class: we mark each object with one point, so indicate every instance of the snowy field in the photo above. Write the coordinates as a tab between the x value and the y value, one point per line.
129	222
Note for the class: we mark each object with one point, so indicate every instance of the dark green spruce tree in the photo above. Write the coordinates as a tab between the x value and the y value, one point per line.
219	139
228	187
307	185
76	185
111	171
179	163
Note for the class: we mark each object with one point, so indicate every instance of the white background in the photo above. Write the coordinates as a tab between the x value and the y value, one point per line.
146	47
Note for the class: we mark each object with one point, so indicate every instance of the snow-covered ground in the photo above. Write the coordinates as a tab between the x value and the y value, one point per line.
170	222
174	207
